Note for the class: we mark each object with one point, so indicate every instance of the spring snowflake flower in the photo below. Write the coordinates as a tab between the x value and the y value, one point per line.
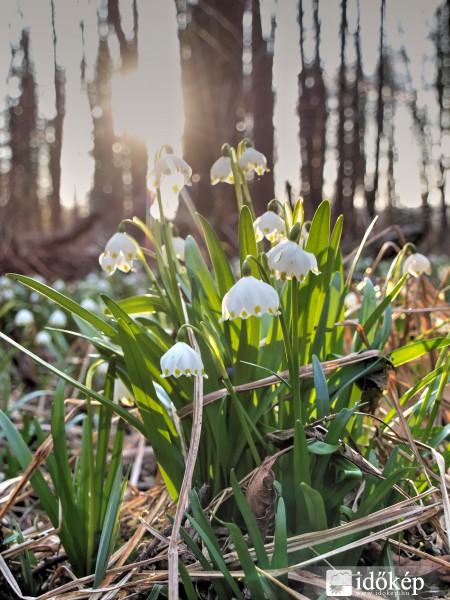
167	166
120	252
222	171
417	264
270	226
24	318
252	160
57	319
170	188
288	260
351	300
43	338
178	246
250	297
90	305
181	359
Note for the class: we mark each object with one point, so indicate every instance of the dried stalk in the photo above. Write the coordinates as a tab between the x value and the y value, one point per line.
305	372
183	499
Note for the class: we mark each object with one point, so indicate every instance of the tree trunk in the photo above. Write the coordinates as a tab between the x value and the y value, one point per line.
262	101
371	192
211	46
312	112
107	192
56	144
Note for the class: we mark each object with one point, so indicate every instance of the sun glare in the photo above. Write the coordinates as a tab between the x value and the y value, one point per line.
148	101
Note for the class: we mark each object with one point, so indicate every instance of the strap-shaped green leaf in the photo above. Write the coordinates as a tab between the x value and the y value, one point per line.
66	303
219	261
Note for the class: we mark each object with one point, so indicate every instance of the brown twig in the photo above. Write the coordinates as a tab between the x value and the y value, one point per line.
305	372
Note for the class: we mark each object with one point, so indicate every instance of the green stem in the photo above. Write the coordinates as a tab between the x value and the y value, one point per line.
239	409
92	490
295	352
437	401
171	261
247	195
284	408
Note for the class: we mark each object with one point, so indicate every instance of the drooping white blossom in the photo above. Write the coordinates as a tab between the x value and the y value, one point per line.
167	165
90	305
250	297
269	225
288	260
252	160
351	301
178	246
120	252
181	359
170	189
43	338
24	318
221	171
416	265
57	319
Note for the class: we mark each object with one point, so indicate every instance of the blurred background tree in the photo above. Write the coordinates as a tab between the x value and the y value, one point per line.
348	124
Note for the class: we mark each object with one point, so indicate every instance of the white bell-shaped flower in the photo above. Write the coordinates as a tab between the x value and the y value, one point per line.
120	252
122	244
24	318
57	319
222	171
169	164
181	359
178	246
107	263
90	305
170	188
288	260
252	160
270	226
417	264
250	297
43	338
351	301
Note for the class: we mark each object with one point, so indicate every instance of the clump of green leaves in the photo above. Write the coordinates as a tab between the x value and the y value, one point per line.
289	390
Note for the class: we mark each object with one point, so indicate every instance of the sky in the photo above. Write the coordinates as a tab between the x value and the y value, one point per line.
149	102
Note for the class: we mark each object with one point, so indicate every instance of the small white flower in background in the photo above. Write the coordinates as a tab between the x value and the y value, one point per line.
90	305
222	171
270	226
178	246
169	164
24	318
252	160
120	252
57	319
121	393
59	285
351	300
417	264
6	294
43	338
288	260
181	359
250	297
170	188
